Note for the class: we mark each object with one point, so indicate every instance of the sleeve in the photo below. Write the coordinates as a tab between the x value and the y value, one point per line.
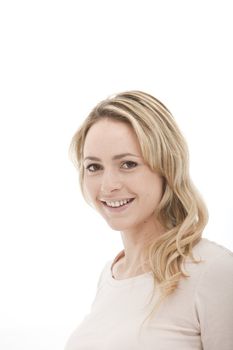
214	303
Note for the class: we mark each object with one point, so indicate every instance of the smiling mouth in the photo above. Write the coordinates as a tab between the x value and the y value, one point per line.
118	204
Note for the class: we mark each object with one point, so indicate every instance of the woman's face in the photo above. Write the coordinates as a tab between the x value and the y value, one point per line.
117	181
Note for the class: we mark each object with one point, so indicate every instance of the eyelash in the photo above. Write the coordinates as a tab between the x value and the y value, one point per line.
98	165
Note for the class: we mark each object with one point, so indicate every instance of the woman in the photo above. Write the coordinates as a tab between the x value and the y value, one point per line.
169	288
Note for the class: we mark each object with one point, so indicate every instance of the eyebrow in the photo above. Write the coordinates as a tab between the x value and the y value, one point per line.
118	156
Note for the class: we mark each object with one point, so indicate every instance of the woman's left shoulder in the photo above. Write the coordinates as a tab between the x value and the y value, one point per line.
216	261
210	252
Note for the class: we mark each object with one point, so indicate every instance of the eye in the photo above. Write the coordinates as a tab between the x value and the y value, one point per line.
129	165
93	167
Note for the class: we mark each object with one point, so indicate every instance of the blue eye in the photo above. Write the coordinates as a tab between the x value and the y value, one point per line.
129	165
93	167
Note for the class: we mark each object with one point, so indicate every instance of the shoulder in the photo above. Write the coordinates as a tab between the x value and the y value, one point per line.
106	270
215	265
210	249
215	269
212	254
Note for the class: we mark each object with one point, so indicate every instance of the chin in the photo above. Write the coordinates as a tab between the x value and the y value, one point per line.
118	226
115	226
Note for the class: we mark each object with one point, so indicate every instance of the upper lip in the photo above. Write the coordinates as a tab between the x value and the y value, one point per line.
115	199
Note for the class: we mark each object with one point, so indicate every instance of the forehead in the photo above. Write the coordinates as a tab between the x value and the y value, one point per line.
108	136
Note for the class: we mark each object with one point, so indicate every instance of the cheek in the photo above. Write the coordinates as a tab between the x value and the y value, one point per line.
89	187
153	188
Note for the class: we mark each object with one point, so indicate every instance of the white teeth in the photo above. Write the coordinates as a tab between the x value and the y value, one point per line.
117	203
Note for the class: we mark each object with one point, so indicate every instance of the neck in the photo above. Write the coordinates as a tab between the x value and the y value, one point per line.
135	241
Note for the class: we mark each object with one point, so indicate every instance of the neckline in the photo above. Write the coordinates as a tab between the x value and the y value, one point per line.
128	280
117	258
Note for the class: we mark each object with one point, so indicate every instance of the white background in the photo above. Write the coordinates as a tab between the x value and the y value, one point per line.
58	59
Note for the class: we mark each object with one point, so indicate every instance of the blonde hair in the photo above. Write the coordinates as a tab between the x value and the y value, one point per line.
181	210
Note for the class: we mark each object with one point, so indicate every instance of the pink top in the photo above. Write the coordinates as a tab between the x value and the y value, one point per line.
197	316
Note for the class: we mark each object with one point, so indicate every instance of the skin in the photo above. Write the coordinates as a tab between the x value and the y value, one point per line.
112	179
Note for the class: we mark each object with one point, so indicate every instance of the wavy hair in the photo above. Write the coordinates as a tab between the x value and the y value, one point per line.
181	211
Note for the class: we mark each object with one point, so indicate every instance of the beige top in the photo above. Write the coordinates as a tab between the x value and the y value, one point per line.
198	316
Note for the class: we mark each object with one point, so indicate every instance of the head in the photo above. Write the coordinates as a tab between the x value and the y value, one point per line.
158	142
117	180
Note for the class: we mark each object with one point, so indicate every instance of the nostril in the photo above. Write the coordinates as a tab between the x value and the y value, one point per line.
108	188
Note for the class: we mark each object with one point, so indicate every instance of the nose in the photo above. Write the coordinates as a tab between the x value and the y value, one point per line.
111	182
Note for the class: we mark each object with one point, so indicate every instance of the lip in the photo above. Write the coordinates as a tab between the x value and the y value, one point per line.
114	199
117	209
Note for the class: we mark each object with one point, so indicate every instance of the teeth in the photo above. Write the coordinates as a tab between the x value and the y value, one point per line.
118	203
